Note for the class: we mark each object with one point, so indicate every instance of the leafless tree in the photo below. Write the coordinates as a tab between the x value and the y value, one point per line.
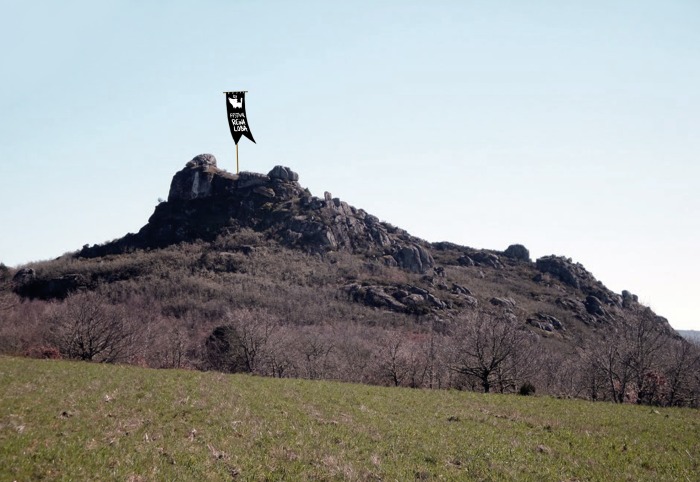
87	328
314	349
390	360
241	344
627	357
683	363
487	348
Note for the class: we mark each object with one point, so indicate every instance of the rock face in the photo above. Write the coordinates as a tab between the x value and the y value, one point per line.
205	201
199	179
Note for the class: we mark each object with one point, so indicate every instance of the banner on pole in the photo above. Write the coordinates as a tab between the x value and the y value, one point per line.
237	119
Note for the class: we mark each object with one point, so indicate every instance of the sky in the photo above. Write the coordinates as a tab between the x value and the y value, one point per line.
570	127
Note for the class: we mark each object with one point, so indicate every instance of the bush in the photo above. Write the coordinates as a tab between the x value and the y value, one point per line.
42	352
526	389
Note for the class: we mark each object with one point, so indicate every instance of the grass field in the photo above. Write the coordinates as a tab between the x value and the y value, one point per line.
80	421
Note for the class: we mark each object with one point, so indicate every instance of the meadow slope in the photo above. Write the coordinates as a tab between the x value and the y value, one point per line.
83	421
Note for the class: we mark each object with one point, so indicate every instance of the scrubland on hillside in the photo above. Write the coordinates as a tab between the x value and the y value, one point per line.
251	273
273	311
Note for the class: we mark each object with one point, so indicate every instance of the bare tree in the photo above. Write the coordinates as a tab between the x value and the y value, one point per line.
487	348
683	362
628	358
314	349
241	345
392	361
86	328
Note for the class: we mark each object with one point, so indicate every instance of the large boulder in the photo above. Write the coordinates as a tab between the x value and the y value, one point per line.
517	251
283	173
414	258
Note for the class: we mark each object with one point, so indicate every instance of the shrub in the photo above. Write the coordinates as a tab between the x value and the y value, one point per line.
526	389
42	352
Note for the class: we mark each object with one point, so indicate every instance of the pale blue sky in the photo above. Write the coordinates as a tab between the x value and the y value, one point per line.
569	127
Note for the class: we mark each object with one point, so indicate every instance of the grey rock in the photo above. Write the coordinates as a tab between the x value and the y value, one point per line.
283	173
545	322
389	261
435	301
413	299
562	268
200	178
594	306
374	296
202	160
507	303
251	179
24	275
461	290
517	251
482	258
628	299
264	191
571	304
414	258
465	260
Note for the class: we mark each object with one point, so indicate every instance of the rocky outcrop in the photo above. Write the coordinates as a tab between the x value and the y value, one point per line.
403	298
563	269
545	322
205	201
33	287
484	258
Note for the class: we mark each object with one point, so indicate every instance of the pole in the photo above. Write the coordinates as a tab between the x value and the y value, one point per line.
236	158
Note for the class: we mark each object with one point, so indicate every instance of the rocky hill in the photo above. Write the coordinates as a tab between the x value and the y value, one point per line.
205	203
334	278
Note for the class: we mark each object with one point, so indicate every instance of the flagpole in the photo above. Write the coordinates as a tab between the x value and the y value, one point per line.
236	158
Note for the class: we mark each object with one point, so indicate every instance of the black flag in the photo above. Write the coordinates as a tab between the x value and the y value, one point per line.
237	120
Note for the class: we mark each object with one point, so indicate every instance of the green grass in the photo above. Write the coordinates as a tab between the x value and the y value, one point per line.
79	421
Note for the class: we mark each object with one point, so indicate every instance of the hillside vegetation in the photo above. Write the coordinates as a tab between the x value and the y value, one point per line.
82	421
252	273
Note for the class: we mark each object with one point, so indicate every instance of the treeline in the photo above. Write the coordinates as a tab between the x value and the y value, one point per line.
482	351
